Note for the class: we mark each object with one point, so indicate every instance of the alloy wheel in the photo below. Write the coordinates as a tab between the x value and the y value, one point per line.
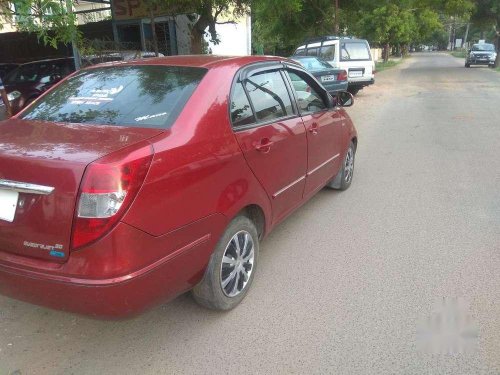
237	264
349	165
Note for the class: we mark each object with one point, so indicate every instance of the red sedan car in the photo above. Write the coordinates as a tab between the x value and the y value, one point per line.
128	184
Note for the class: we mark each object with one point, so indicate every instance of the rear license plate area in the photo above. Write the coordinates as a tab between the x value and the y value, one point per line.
8	204
353	73
328	78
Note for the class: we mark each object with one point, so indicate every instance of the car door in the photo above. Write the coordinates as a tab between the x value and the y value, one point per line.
323	127
356	59
271	135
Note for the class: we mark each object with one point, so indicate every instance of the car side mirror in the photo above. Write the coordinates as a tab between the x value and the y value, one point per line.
345	99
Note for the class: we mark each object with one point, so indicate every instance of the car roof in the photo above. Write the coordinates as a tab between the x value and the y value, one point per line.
198	61
48	60
298	57
328	38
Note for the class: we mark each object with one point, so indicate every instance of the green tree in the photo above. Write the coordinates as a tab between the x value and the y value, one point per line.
50	20
205	15
53	23
281	24
390	25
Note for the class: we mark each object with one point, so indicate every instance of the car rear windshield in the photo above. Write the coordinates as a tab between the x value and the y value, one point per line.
136	96
312	63
483	47
354	51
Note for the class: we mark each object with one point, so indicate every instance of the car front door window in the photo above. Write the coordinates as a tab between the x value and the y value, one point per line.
269	96
308	98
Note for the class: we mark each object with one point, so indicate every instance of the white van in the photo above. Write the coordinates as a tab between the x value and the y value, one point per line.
350	54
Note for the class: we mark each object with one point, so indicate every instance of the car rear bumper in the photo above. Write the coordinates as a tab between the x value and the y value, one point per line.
120	298
116	295
481	62
362	83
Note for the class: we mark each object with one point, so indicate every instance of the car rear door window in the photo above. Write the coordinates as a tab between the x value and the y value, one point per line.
241	111
269	96
354	51
327	52
134	96
313	51
300	51
309	99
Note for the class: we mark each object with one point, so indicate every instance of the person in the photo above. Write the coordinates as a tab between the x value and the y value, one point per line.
5	99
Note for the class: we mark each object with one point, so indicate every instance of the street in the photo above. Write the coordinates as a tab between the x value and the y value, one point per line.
397	275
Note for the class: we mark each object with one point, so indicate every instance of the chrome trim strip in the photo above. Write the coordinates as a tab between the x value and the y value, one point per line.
322	165
23	187
288	186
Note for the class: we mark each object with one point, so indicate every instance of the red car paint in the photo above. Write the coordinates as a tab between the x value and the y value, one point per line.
201	175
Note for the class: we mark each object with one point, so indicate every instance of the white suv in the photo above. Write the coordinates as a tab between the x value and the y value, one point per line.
350	54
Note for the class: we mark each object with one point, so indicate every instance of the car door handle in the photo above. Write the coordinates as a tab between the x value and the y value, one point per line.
264	145
314	128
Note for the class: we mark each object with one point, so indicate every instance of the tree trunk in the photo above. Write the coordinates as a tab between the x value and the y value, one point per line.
196	42
453	36
336	27
405	50
464	42
153	33
386	52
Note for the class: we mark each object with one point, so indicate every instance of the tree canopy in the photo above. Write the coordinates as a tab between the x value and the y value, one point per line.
282	24
54	24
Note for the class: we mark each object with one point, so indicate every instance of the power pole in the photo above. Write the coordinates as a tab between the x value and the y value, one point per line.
336	27
453	31
76	54
466	35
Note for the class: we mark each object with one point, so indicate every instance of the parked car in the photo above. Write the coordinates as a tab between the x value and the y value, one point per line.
347	53
28	81
334	80
481	54
6	68
130	183
110	56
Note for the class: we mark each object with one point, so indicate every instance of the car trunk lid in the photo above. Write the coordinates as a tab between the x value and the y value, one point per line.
41	167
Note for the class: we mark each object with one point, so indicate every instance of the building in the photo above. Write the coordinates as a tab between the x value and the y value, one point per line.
126	25
235	37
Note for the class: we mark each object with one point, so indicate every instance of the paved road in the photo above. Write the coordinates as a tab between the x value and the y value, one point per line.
399	274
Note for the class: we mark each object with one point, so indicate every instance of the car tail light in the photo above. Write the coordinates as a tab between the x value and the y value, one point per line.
342	76
108	188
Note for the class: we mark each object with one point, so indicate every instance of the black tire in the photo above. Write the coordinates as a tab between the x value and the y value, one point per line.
343	179
354	90
210	292
467	65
